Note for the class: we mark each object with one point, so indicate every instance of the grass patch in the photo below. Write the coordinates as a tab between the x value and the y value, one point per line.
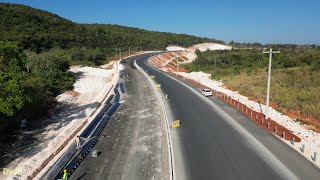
293	89
301	121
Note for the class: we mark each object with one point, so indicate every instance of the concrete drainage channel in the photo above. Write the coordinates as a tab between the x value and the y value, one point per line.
71	160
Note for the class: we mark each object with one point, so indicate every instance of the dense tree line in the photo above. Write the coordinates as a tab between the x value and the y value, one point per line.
39	30
29	82
222	63
37	48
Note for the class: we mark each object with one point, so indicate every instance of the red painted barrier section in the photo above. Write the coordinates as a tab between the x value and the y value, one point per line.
269	125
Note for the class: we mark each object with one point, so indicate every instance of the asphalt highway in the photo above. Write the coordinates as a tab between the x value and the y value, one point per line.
216	141
132	145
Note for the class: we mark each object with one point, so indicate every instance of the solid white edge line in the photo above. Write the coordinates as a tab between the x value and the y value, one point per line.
252	142
169	139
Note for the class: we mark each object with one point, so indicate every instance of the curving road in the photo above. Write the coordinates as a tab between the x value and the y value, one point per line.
216	141
133	144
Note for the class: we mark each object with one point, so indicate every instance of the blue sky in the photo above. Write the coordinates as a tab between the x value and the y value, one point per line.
273	21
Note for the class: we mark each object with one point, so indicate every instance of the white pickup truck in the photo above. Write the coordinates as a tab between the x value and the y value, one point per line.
206	92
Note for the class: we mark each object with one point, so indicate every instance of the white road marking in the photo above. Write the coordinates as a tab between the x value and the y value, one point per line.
252	142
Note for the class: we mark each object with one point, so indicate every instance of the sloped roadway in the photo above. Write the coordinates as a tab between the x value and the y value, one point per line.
133	145
216	141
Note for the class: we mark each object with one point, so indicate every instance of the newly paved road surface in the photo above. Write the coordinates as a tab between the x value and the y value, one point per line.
133	145
215	141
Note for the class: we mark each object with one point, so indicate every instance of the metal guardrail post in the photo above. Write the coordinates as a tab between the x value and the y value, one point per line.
293	140
303	148
314	158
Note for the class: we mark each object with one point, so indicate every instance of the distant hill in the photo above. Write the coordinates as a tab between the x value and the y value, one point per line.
39	30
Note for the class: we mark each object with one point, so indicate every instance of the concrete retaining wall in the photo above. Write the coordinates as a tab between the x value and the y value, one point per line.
268	124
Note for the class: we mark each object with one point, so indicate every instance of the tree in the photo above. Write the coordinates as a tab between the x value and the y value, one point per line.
12	58
12	96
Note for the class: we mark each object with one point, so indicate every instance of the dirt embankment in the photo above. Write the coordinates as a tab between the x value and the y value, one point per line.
35	146
304	127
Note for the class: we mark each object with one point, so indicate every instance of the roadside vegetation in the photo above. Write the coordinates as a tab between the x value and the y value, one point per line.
39	30
295	83
28	84
37	48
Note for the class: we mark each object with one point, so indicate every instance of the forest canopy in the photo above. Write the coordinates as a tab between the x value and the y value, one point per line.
37	48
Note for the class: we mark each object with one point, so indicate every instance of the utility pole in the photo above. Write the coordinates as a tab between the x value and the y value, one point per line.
178	67
176	59
269	79
120	52
141	48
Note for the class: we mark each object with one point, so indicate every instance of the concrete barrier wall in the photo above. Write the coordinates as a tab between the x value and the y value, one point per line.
34	173
303	147
269	124
75	132
65	143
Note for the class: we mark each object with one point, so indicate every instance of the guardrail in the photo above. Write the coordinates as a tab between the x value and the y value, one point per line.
66	158
95	121
76	160
35	172
64	144
122	88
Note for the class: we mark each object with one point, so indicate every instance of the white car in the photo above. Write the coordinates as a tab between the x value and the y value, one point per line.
206	92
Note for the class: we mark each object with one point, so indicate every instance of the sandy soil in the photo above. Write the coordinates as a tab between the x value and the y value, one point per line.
35	145
209	46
